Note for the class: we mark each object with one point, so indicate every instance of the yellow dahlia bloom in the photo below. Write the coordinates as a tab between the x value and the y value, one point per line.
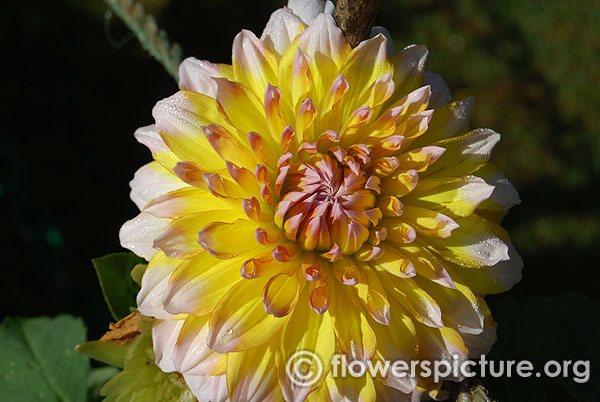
314	197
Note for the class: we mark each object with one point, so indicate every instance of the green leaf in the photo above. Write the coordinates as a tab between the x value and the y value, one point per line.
105	352
118	287
38	360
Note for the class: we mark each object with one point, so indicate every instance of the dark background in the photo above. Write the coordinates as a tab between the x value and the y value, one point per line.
74	89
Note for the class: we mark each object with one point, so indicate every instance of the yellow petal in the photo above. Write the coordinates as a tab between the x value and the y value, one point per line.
198	283
179	119
251	375
305	353
227	240
476	243
441	344
460	307
394	262
229	147
239	322
241	107
355	336
254	65
327	48
365	64
428	222
180	239
350	389
417	301
448	121
160	151
420	159
465	154
373	295
459	196
280	294
185	201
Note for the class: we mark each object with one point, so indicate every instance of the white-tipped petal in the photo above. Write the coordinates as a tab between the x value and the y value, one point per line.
164	337
192	355
207	388
154	285
440	93
308	10
138	234
376	30
324	37
282	28
409	67
505	196
197	75
151	181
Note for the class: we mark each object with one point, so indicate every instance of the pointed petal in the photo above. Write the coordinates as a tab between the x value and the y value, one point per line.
241	107
327	48
475	243
505	196
185	201
448	121
354	335
493	279
196	75
154	284
280	294
458	196
138	234
351	389
366	63
440	93
282	28
306	354
227	240
251	376
150	181
208	388
180	238
179	119
307	10
254	65
191	355
481	344
428	222
418	302
465	154
164	337
160	151
198	284
409	67
239	321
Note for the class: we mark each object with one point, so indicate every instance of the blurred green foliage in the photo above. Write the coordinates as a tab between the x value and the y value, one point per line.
533	69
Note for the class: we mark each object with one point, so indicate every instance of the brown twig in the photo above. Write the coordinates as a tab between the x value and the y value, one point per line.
355	18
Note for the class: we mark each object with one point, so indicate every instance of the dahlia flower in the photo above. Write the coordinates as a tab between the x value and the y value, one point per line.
314	197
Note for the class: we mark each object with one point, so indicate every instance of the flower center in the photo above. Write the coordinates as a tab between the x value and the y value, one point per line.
325	205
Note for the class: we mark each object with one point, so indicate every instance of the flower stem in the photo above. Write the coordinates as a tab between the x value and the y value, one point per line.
153	39
355	18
